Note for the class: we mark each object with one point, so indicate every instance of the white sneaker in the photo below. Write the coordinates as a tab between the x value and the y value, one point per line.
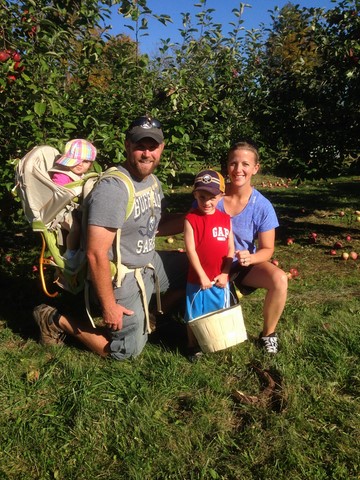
269	342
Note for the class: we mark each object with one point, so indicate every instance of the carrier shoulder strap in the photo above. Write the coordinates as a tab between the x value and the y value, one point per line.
114	172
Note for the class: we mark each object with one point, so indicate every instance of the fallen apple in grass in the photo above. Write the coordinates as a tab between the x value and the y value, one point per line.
333	252
345	256
348	238
289	241
312	237
341	214
338	245
294	272
170	240
353	255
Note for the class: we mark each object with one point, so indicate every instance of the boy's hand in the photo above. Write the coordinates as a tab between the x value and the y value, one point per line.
221	280
205	283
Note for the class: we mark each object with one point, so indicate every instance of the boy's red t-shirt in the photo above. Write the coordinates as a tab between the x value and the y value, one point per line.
211	236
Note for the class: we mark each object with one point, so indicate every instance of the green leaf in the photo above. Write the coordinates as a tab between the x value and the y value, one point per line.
39	108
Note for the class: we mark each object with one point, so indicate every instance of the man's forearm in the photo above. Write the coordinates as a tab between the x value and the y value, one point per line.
100	274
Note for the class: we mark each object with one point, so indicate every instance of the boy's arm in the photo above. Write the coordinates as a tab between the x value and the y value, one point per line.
205	282
222	279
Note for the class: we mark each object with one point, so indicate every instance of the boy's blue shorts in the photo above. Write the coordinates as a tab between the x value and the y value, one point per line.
200	302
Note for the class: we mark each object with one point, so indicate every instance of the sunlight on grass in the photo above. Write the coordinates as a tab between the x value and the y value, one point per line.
67	414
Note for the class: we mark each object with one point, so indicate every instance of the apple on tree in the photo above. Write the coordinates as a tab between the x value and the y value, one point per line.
4	55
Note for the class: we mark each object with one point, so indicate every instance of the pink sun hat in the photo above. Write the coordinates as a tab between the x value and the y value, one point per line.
77	151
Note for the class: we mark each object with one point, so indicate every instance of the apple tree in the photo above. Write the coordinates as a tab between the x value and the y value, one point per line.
307	114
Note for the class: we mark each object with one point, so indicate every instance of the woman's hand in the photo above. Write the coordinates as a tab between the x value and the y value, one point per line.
244	257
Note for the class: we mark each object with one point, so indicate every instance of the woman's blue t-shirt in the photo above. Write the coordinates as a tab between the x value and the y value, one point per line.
258	216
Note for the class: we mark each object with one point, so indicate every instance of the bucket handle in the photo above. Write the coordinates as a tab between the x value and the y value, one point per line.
213	283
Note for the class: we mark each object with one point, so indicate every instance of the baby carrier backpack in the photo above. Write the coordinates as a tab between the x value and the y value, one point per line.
46	205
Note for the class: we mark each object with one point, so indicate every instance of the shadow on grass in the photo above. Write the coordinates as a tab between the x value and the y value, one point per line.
170	333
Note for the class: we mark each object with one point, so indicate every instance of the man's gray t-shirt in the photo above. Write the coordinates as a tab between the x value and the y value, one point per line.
107	208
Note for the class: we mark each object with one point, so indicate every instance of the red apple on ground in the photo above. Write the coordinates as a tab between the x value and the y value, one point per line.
294	272
332	252
338	245
290	241
353	255
348	238
11	78
341	214
312	237
345	256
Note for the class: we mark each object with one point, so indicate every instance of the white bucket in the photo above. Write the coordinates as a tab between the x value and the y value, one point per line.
219	329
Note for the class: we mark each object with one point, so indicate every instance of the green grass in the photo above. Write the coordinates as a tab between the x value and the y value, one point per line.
67	414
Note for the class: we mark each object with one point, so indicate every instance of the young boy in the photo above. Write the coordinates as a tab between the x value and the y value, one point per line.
209	246
77	159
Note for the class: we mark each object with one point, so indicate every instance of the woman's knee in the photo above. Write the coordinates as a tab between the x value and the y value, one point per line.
280	280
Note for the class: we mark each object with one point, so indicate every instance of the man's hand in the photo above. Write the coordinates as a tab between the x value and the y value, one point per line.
113	317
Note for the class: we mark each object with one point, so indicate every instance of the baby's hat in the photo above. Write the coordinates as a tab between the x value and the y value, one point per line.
77	151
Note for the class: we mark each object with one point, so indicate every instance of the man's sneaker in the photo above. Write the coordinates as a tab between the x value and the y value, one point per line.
50	334
270	342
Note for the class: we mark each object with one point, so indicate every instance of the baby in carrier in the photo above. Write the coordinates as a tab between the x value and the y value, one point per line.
76	161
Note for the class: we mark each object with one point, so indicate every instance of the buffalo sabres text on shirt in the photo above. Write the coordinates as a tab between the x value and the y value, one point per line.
150	200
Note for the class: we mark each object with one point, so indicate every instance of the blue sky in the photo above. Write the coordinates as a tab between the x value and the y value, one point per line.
253	16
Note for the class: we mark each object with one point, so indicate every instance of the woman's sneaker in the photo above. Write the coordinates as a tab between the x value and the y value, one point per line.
50	334
269	342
